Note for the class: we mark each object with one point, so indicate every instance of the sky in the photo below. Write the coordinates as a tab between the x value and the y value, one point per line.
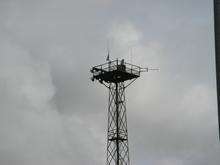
51	113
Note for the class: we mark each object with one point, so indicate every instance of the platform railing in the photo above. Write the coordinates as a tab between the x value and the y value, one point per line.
113	65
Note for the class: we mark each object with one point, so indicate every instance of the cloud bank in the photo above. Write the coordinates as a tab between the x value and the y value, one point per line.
52	114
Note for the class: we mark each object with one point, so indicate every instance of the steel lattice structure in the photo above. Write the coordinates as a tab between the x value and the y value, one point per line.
116	76
117	141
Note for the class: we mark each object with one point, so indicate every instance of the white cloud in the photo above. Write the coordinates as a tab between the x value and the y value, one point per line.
124	34
122	37
32	129
126	42
52	114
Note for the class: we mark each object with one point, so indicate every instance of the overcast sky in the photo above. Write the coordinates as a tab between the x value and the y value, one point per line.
52	114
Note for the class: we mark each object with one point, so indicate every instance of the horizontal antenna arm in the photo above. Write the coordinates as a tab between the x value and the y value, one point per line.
147	69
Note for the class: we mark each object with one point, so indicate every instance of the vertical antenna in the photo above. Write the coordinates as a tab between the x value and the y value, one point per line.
131	54
108	52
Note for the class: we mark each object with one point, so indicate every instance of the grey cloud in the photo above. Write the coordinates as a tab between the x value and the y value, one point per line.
52	114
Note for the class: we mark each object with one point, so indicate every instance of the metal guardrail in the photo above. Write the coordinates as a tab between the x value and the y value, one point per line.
116	65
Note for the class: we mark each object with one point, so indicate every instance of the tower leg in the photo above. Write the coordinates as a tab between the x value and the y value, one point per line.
117	135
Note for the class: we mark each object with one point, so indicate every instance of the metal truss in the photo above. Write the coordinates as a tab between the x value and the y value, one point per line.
116	76
117	135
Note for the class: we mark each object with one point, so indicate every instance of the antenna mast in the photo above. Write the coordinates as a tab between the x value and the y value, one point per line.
117	76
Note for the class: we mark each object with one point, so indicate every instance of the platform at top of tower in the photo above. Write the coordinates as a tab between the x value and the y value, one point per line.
115	71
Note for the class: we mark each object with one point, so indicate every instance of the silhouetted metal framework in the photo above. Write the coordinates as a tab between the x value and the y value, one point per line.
116	76
217	51
117	143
